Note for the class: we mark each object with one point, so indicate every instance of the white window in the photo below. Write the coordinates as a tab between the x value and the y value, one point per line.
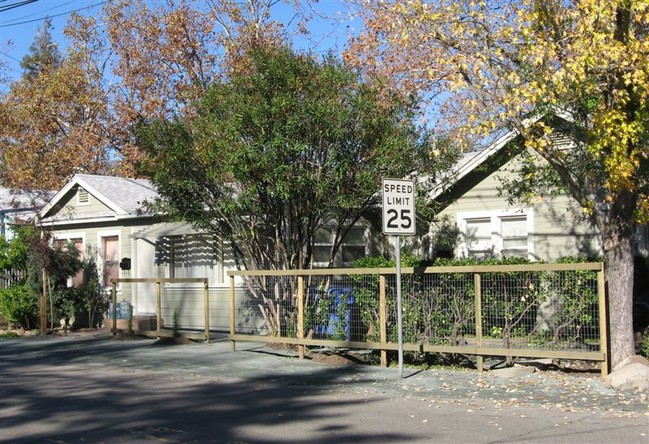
478	239
354	246
496	233
191	256
513	230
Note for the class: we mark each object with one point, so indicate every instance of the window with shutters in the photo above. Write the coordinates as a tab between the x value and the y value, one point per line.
191	256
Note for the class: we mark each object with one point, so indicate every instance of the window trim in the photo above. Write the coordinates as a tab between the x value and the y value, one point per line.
67	237
338	259
100	252
496	217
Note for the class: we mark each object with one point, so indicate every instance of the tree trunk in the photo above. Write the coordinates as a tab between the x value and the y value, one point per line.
618	239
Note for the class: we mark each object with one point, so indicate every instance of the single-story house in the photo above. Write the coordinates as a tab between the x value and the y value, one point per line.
109	218
477	221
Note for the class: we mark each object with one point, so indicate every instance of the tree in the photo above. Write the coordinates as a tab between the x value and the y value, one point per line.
54	120
161	56
43	53
496	64
56	264
270	156
74	111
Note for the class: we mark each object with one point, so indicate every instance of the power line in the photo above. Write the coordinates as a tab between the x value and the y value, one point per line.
59	6
54	15
9	56
16	5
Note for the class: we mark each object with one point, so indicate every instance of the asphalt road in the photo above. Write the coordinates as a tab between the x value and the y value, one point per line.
95	389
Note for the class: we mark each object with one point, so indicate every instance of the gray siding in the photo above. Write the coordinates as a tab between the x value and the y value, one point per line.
72	209
558	227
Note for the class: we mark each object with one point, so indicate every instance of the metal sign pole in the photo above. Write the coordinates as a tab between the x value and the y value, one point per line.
399	220
399	309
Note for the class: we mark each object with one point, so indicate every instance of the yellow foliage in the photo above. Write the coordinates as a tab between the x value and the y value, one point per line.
496	64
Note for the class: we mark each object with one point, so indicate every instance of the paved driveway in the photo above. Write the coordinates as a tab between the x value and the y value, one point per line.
96	389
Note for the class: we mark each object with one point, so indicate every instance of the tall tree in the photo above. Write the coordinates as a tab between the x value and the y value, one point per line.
54	120
137	60
159	56
271	155
43	53
493	65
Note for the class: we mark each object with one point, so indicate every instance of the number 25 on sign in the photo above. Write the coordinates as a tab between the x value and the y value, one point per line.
398	206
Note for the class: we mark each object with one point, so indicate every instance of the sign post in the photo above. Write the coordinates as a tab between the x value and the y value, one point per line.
399	220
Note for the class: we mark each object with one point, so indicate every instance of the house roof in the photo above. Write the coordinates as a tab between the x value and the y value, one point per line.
468	163
473	159
18	201
125	197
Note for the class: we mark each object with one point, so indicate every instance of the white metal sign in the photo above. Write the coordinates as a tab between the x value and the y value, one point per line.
398	206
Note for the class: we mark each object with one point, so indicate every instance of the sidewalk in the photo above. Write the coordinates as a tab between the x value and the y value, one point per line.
96	388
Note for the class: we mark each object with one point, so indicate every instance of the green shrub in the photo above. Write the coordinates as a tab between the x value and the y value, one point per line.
19	306
644	346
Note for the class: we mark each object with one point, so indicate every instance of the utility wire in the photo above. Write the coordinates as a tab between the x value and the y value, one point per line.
16	5
9	56
58	6
53	15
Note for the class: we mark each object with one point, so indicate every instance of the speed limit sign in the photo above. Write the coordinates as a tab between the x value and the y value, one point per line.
398	206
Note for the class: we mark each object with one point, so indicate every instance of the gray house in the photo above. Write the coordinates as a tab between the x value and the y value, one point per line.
482	223
107	217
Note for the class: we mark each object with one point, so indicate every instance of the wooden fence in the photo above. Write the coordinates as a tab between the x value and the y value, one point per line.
555	311
159	296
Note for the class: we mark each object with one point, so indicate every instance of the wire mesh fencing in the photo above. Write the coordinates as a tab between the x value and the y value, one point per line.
531	310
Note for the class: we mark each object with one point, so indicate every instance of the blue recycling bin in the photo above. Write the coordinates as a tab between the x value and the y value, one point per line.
123	310
337	295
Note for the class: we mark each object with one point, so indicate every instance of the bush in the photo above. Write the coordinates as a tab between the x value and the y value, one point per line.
19	306
644	346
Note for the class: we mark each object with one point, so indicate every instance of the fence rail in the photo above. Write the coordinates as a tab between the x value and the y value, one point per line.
159	297
531	310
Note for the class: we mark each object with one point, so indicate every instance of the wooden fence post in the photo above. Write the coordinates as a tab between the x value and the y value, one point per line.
478	318
233	346
113	292
300	314
603	321
383	319
158	306
44	305
206	294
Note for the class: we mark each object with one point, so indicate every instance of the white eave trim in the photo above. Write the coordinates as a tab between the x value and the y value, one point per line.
93	220
76	180
455	175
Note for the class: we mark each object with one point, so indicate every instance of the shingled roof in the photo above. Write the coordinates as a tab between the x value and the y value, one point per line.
125	197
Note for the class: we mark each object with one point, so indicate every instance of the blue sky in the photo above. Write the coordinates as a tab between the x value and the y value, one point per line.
19	25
